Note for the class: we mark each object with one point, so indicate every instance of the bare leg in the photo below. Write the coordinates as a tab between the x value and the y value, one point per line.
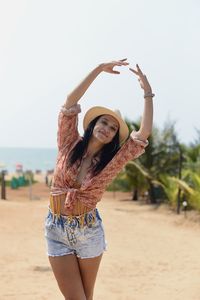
88	269
67	274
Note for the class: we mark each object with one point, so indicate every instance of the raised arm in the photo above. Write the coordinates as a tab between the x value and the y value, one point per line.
80	90
147	118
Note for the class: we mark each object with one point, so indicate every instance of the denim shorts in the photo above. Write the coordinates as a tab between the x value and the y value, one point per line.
65	235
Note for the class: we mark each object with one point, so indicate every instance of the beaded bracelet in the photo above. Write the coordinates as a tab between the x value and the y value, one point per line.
149	95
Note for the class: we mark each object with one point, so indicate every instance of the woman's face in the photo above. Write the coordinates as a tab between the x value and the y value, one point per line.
105	129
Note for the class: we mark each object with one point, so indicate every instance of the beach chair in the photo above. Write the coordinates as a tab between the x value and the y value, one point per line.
14	184
21	181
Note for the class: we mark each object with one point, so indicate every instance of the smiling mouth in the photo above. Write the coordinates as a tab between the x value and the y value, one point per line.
103	134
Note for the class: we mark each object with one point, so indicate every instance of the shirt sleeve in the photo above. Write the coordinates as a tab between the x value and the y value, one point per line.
68	126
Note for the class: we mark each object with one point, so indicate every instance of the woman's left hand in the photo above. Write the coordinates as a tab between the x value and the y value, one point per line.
142	80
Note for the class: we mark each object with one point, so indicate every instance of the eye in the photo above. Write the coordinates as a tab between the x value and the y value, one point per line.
104	122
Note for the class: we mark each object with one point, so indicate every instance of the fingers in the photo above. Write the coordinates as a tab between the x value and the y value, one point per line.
118	63
134	71
122	62
115	72
141	78
138	72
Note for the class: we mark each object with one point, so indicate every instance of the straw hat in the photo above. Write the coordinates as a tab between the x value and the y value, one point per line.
96	111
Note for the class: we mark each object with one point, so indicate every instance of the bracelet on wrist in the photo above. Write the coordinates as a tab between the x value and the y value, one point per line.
149	95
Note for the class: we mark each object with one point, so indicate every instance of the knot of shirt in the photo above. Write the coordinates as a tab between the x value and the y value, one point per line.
70	195
70	198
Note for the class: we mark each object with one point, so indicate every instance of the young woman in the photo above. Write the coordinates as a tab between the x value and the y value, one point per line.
85	166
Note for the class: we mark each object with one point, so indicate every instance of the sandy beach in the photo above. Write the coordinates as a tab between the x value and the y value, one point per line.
152	253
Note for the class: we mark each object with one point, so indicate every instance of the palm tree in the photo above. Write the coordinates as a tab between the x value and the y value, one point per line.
167	166
161	156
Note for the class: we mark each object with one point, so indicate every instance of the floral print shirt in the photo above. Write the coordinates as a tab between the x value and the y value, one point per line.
92	188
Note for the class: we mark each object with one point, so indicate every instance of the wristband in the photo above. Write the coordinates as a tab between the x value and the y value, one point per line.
149	95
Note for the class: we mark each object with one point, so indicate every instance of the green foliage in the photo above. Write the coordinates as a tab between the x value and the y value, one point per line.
193	180
194	200
120	183
171	189
167	169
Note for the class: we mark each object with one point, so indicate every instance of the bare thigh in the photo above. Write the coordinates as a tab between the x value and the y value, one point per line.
88	269
67	274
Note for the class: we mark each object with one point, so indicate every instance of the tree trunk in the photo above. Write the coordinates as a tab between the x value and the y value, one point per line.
152	194
3	185
135	195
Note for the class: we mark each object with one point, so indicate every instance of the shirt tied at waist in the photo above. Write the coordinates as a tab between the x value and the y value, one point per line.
71	194
70	198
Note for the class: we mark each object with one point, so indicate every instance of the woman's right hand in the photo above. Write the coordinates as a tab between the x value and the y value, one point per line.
80	90
108	67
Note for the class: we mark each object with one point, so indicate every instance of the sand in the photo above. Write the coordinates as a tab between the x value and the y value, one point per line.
152	253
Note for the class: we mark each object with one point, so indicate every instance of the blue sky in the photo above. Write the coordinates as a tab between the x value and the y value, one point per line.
47	47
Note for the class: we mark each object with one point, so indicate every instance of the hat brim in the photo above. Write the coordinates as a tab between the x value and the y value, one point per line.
96	111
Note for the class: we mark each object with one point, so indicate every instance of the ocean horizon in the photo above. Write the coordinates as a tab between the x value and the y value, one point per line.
31	158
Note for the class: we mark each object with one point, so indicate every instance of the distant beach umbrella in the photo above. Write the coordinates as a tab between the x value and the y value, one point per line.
19	167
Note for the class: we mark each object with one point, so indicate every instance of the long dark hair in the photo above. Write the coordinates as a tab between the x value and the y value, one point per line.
105	154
